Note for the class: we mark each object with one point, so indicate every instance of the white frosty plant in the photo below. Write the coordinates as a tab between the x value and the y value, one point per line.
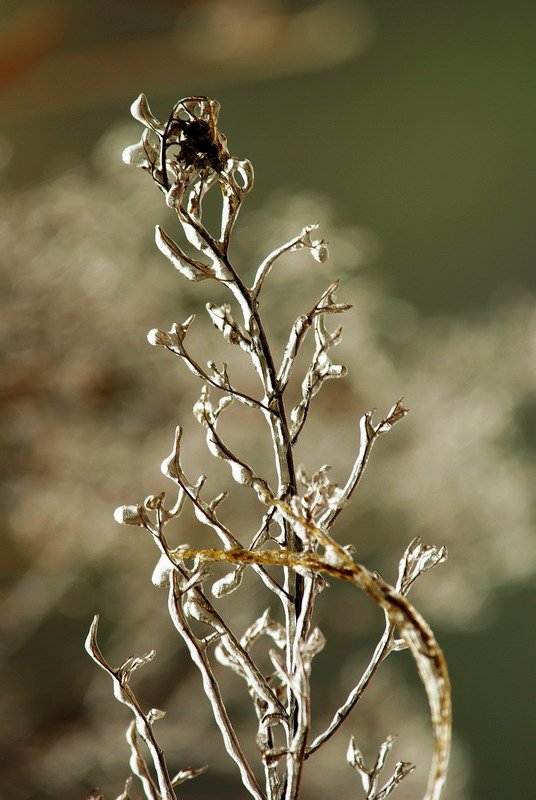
187	157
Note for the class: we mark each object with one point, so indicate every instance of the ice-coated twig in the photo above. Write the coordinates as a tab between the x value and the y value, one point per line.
298	685
232	332
320	370
198	606
123	693
125	794
137	762
206	513
370	776
418	559
263	626
212	690
318	247
189	267
381	651
207	415
415	631
325	305
368	435
187	774
173	340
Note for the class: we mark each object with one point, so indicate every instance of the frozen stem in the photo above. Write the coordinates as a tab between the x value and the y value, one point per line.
163	789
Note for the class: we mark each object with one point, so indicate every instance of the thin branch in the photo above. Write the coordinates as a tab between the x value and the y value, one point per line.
173	340
172	468
325	305
381	651
212	690
125	695
242	473
138	765
319	249
320	370
226	386
206	611
368	435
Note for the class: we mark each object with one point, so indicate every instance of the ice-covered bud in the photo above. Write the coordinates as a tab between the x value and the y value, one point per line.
129	515
396	413
337	371
203	410
154	501
135	155
140	111
320	251
144	154
189	267
318	247
417	560
229	583
354	755
161	572
154	714
159	338
170	466
175	195
172	338
314	644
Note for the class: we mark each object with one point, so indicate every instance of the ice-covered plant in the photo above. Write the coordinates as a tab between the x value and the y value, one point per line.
292	548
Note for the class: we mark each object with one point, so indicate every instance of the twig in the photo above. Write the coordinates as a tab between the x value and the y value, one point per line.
125	695
210	685
381	651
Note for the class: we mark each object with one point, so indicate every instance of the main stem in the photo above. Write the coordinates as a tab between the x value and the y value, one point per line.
284	458
276	417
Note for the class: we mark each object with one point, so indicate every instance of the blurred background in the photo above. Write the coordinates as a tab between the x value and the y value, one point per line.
406	129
